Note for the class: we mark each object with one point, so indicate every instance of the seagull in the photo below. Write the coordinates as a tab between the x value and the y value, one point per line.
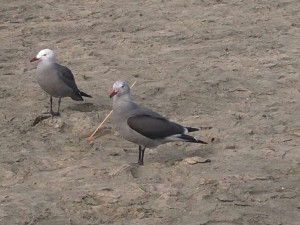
143	126
55	79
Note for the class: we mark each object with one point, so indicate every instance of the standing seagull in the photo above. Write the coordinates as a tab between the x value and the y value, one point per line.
142	126
57	80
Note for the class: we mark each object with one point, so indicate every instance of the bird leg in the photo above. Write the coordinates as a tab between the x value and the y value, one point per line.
51	110
141	155
59	101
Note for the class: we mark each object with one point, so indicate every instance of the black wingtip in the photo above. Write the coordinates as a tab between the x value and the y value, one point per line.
191	139
191	129
85	94
202	142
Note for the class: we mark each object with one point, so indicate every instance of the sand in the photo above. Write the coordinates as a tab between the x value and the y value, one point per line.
228	67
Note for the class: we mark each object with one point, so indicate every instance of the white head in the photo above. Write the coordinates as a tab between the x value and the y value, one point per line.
120	87
44	55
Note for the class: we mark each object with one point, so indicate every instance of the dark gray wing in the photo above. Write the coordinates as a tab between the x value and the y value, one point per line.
67	76
154	127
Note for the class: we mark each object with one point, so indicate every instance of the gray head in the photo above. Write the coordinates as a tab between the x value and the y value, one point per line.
120	88
44	55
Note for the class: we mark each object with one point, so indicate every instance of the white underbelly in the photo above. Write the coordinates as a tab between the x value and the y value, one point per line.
54	86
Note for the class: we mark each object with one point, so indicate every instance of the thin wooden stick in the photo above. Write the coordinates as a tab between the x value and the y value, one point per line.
90	138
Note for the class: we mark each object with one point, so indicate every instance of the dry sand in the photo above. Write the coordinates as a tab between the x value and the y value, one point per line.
229	65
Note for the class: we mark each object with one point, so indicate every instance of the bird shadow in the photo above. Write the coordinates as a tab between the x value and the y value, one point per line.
171	156
84	107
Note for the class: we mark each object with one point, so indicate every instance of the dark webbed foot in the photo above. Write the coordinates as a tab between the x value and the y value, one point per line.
140	162
54	113
134	164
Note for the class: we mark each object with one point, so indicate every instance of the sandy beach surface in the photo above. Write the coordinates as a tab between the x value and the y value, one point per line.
228	67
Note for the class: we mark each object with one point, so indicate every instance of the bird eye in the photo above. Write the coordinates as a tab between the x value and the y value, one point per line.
45	54
122	86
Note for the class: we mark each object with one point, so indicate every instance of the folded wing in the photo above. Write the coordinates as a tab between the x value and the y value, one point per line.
154	127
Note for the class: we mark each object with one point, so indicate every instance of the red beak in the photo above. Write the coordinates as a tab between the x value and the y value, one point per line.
112	94
34	59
